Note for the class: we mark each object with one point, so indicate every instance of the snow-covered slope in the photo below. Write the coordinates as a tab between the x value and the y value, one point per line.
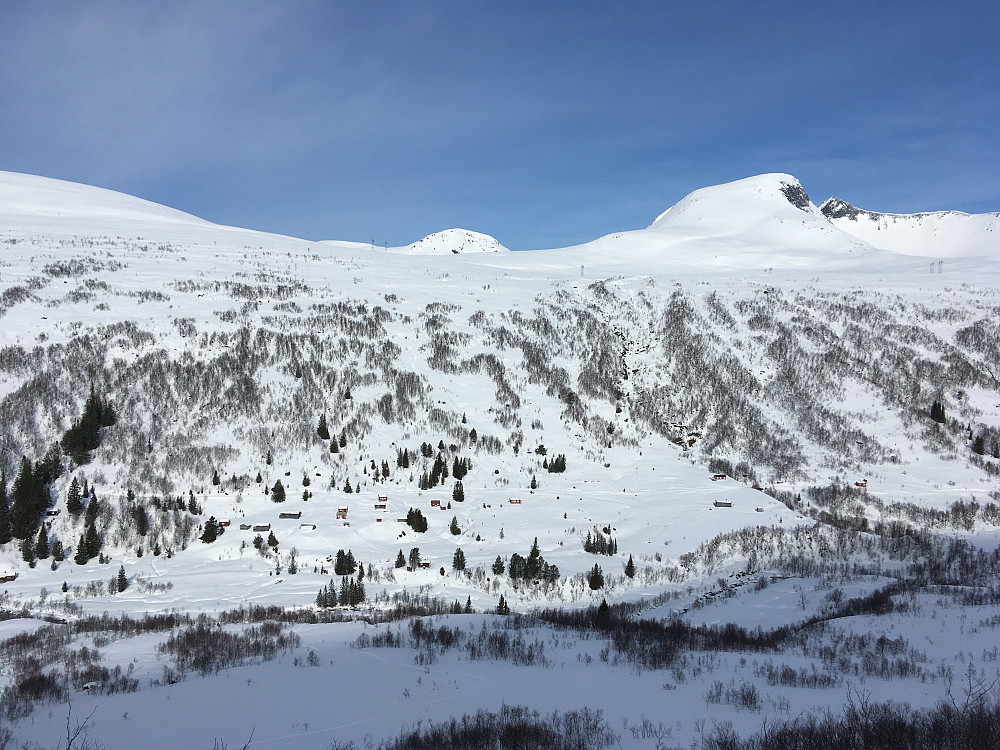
937	234
453	242
741	335
759	222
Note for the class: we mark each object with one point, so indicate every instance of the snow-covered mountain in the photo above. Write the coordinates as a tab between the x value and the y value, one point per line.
453	242
848	399
936	234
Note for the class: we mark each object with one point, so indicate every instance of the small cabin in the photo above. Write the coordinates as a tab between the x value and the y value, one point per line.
435	503
760	510
291	514
307	526
383	498
262	527
723	503
401	520
342	513
425	563
717	477
8	577
244	527
52	512
515	501
862	483
225	522
381	506
378	520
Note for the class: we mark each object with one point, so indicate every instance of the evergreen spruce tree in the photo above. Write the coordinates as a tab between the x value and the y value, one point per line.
74	501
272	541
343	438
458	561
92	542
42	544
630	568
122	579
25	509
498	566
323	430
458	494
595	579
534	483
28	551
278	492
211	532
400	560
468	606
454	526
347	487
80	557
5	531
414	558
502	607
979	445
215	477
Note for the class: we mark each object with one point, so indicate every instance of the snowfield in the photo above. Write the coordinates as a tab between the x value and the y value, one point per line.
740	395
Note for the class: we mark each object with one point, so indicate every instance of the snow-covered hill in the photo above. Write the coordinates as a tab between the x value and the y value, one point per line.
937	234
453	242
742	334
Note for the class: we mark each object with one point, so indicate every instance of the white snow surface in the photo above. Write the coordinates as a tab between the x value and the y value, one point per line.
936	234
149	281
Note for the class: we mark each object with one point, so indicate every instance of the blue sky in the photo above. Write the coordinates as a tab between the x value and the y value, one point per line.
543	124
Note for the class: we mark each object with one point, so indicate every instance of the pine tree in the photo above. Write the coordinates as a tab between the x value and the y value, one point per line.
458	494
595	579
343	438
93	541
498	566
122	579
215	478
630	568
347	487
458	561
25	510
28	551
414	558
74	502
979	445
502	608
400	560
468	606
80	557
278	492
323	430
272	541
454	526
42	544
534	483
5	531
211	532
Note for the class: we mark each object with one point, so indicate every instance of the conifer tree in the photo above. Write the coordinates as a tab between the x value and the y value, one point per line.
278	492
502	607
211	532
630	568
323	430
458	494
458	561
595	579
5	531
74	502
498	566
454	526
122	579
414	558
468	606
42	544
343	438
400	560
